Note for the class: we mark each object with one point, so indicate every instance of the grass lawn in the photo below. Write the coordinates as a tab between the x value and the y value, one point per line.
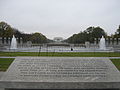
5	63
116	62
62	54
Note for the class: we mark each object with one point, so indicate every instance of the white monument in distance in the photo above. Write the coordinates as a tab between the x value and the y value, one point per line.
58	39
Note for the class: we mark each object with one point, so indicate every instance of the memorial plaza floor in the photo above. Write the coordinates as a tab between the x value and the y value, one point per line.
1	73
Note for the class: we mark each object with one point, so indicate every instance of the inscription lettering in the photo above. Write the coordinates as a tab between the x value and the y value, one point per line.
66	68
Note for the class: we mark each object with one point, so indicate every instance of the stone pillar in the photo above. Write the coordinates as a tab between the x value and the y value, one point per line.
111	41
99	40
5	40
118	41
107	41
115	41
87	44
17	41
9	41
95	41
21	41
1	40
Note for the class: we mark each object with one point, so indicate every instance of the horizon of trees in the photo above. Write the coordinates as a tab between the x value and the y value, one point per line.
7	31
90	34
87	35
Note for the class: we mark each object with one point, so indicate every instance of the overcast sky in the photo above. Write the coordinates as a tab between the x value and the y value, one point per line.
60	18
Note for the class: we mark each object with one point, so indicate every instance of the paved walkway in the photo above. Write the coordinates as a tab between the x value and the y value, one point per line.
1	73
28	56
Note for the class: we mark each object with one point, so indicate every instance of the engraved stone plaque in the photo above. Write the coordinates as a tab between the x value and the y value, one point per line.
60	71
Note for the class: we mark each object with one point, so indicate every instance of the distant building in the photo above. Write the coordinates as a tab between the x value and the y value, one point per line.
58	39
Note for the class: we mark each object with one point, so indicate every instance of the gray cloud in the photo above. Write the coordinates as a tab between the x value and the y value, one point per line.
60	17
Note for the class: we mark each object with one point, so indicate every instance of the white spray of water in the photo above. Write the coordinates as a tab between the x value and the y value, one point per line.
13	43
102	44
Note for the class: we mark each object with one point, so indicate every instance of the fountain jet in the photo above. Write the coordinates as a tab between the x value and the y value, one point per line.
102	45
13	43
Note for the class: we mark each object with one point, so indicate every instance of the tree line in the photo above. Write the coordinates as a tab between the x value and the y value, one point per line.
90	34
7	31
87	35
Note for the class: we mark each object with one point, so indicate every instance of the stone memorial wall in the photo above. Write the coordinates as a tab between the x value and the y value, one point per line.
63	68
7	40
61	73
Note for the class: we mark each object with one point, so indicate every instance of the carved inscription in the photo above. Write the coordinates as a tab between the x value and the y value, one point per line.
62	68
